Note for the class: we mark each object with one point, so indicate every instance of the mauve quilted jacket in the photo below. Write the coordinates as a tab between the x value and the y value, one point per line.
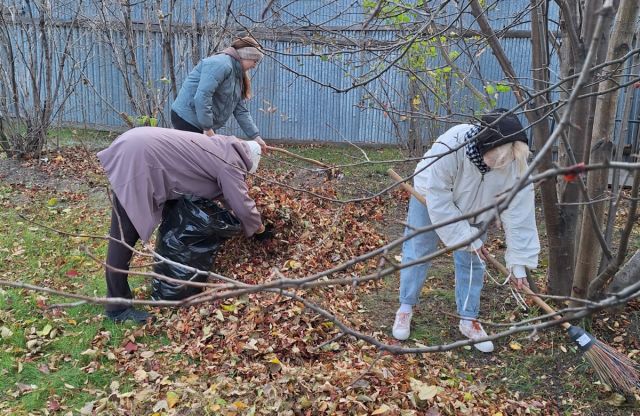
148	166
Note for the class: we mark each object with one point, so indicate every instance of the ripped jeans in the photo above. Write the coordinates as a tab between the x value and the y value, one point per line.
469	270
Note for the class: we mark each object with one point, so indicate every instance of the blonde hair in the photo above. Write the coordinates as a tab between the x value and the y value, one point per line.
521	154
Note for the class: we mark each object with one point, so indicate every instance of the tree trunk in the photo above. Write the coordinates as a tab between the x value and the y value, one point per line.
604	123
628	275
559	258
619	177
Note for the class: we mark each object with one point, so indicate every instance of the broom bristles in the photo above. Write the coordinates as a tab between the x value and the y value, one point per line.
614	368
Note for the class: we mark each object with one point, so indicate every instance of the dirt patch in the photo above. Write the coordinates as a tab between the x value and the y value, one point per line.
65	171
15	172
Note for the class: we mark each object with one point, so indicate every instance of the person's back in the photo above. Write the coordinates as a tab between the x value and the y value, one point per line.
147	166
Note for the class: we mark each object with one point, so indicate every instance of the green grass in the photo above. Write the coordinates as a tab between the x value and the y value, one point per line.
32	254
342	155
61	137
62	354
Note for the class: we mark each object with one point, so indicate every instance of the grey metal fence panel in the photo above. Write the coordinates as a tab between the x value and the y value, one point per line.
502	14
289	107
286	106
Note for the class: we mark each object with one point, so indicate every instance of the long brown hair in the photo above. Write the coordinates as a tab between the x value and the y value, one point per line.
240	43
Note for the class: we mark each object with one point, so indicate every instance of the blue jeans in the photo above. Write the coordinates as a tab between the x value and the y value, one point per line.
469	270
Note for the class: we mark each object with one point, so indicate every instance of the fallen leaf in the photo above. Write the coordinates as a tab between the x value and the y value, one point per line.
172	399
239	405
275	361
515	346
381	410
616	400
53	405
72	273
423	390
33	344
45	331
140	375
219	315
292	264
114	386
26	388
160	405
5	332
131	347
89	352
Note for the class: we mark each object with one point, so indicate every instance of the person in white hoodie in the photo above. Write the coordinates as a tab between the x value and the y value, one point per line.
465	170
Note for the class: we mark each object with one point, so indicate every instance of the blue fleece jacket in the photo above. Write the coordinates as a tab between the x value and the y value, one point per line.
211	93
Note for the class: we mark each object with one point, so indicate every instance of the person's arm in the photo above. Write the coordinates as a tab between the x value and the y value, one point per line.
236	194
521	234
212	75
245	121
439	179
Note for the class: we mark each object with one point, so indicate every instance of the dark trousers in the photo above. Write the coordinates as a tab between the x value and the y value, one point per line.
178	123
119	256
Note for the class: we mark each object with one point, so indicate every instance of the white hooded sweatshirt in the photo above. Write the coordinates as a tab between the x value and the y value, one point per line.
453	186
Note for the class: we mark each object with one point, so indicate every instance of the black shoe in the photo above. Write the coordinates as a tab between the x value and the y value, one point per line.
129	314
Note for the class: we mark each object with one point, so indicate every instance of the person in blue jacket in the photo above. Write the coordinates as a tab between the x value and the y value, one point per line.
216	88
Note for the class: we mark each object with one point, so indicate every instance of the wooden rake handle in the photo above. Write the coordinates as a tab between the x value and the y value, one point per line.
394	175
541	303
495	263
306	159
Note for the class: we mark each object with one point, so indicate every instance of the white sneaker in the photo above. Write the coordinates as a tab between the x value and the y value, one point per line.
402	325
473	330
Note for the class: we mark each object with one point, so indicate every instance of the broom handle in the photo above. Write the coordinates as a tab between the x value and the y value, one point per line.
544	305
394	175
306	159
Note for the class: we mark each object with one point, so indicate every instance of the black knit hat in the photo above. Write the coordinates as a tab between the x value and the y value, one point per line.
507	130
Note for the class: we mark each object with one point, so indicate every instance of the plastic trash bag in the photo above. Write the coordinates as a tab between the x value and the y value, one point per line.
191	233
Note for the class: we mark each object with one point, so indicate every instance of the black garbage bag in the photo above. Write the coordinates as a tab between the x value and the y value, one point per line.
191	233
